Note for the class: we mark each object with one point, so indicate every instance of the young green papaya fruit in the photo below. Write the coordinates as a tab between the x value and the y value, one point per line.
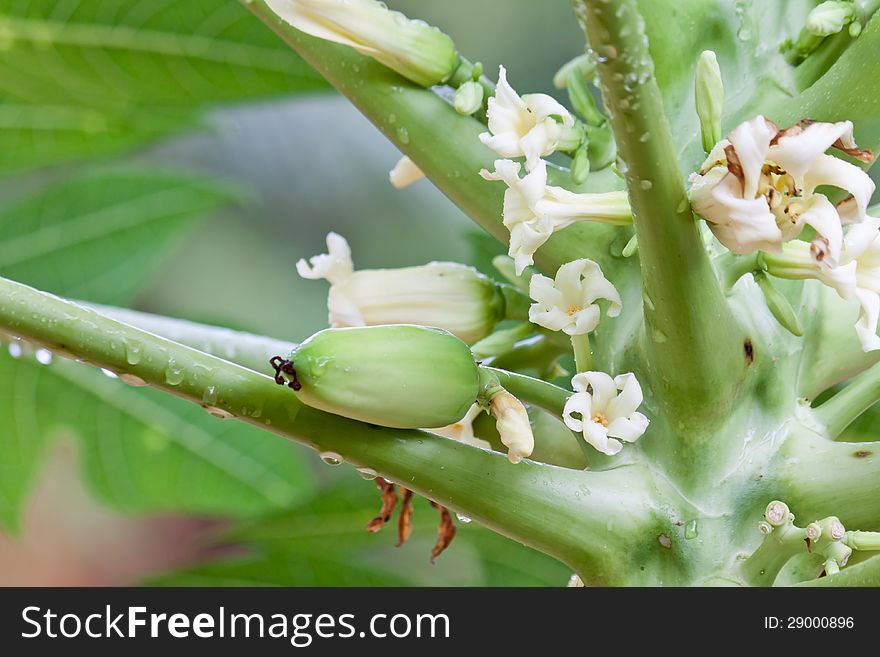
399	376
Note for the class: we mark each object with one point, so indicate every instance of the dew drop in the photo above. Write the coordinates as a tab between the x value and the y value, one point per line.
331	458
658	335
392	118
403	135
173	373
367	473
109	373
646	184
133	353
14	349
43	356
463	518
209	397
690	529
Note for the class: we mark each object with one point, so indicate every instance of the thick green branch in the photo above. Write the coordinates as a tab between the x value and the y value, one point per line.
696	346
444	144
822	478
846	406
593	532
245	349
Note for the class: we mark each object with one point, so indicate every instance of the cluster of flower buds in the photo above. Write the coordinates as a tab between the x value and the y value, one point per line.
532	127
826	537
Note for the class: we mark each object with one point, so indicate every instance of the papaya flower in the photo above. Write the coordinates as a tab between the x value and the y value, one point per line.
525	126
607	410
568	302
533	210
412	48
757	188
445	295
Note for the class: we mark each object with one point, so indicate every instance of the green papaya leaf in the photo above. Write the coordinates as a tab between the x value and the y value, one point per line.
141	450
101	235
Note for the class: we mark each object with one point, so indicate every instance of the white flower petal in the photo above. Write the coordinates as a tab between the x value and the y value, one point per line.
543	291
629	399
551	318
629	428
405	173
866	325
579	403
544	106
832	171
335	265
751	140
797	152
604	390
597	436
584	321
823	217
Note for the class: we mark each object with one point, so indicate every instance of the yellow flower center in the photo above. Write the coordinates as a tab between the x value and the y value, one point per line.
598	418
572	309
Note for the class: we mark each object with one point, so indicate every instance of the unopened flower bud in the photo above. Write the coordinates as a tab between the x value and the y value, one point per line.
778	305
414	49
392	376
512	422
468	98
709	98
829	18
582	65
582	99
580	165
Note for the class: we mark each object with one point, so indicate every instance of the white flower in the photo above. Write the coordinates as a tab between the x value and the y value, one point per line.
405	173
607	409
523	126
534	210
414	49
862	247
512	422
757	187
568	303
335	265
857	276
446	295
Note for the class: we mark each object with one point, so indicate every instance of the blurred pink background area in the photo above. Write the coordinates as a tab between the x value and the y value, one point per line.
67	538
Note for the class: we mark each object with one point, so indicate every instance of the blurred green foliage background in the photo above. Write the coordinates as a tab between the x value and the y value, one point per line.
177	158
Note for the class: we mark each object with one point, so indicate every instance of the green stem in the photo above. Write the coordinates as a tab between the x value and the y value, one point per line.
444	144
858	540
777	548
846	406
591	533
583	355
822	478
539	393
245	349
687	317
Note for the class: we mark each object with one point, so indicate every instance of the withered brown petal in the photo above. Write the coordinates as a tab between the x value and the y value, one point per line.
389	501
445	532
734	166
404	520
